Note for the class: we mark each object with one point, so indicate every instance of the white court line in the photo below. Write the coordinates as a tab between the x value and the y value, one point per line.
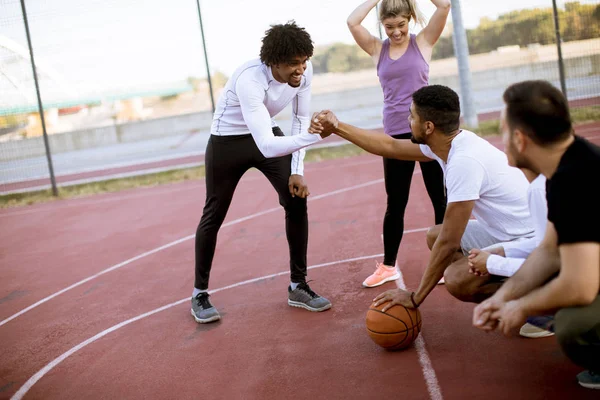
433	386
40	374
176	242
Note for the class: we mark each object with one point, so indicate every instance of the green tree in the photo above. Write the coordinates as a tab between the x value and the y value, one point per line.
340	57
523	27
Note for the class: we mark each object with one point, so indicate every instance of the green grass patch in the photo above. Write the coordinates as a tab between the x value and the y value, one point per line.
487	128
330	153
109	186
180	175
585	114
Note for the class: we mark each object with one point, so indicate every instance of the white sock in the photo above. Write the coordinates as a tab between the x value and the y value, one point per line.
294	285
197	292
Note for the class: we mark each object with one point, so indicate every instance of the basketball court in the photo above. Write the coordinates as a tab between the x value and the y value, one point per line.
95	302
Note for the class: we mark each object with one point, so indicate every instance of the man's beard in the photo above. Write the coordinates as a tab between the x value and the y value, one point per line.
413	139
519	160
522	162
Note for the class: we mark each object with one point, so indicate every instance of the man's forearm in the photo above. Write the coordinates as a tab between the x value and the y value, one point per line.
540	266
297	167
373	141
442	255
381	144
550	298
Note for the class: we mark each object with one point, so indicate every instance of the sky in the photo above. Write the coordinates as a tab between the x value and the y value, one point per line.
121	45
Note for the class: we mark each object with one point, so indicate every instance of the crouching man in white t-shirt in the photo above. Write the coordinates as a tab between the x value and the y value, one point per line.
479	183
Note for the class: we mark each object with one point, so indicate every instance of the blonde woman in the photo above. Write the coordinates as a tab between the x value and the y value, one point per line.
402	61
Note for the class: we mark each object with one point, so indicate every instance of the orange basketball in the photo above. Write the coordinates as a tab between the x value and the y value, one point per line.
394	329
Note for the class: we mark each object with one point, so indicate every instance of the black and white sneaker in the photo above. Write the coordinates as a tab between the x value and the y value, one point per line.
304	297
202	310
589	379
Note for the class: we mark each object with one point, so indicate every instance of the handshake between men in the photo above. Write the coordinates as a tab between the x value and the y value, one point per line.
323	123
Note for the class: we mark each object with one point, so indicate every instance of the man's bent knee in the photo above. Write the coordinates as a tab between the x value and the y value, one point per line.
294	205
432	235
460	283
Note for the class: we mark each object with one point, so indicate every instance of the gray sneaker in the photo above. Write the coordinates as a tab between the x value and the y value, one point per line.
303	297
202	310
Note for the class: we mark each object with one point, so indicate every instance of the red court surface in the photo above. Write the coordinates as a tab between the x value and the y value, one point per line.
95	298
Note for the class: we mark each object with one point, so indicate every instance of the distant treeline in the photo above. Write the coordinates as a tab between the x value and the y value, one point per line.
523	27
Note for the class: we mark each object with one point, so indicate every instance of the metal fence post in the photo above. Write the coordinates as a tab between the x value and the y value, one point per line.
210	88
39	99
461	50
561	65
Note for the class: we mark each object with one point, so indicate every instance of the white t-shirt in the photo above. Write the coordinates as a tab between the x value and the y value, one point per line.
516	252
476	170
250	100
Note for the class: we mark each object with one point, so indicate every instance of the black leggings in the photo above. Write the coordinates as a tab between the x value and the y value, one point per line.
398	176
227	159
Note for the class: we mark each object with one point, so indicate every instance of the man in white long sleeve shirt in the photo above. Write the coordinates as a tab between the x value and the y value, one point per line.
504	261
243	136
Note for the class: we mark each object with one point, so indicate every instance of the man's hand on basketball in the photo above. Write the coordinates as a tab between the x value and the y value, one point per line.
298	187
324	123
393	297
478	262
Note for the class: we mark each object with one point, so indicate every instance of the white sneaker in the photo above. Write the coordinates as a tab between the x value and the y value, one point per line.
531	331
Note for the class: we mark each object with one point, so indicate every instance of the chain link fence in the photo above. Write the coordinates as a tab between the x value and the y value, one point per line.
521	44
124	90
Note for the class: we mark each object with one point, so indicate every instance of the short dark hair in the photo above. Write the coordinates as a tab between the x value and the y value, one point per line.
539	110
440	105
284	42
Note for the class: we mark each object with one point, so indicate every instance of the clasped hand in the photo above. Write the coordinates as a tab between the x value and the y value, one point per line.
323	123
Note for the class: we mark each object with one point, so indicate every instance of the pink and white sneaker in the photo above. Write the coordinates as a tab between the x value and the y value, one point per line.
382	274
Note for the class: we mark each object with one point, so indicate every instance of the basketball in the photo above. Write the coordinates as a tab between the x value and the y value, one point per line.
394	329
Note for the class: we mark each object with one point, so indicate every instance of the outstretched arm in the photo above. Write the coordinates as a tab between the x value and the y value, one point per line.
258	120
372	141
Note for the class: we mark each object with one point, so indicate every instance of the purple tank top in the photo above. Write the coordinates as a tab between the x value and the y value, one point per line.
399	80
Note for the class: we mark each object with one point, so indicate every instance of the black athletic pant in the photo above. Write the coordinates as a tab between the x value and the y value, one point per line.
227	159
398	176
578	333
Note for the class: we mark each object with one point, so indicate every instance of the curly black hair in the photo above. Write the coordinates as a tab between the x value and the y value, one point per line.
440	105
284	42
